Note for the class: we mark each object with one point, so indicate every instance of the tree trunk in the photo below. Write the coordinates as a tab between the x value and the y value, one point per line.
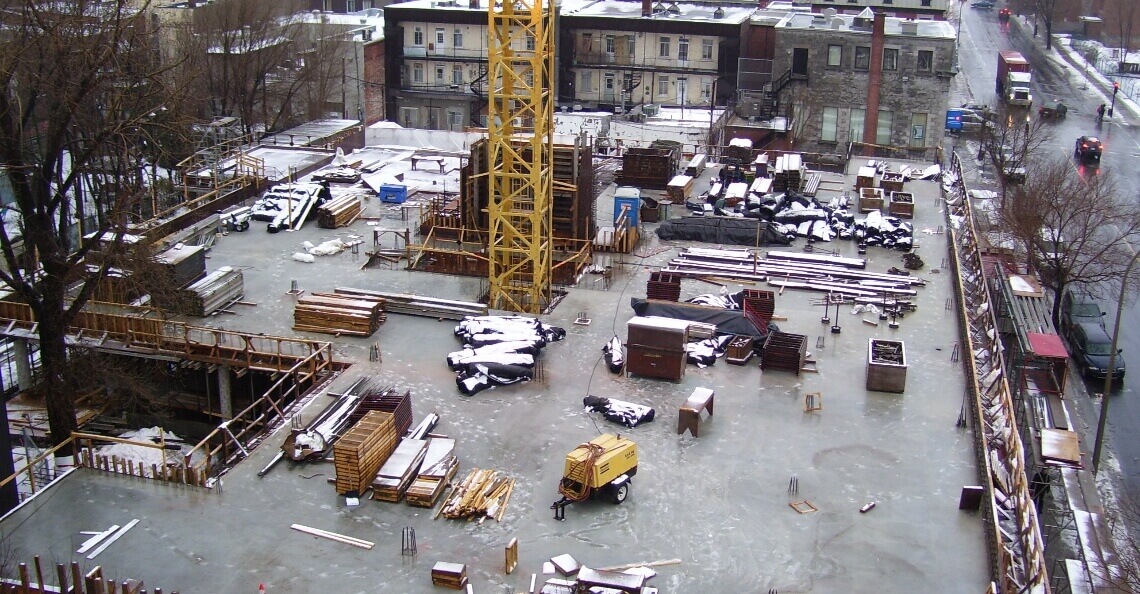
53	357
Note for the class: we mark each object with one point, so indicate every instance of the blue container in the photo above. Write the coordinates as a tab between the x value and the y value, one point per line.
393	193
631	197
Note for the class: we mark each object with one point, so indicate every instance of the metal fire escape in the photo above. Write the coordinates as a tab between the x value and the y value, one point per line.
520	126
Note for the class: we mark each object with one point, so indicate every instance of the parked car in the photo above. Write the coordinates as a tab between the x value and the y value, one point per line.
983	4
972	120
1053	109
1091	349
1088	149
1078	309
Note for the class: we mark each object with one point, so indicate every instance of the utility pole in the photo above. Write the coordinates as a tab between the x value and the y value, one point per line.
1111	364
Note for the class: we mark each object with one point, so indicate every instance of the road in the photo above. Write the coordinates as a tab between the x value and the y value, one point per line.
982	35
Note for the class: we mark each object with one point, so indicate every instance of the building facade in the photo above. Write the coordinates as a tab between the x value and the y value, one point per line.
868	79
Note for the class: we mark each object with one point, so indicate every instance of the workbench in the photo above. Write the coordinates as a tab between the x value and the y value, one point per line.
689	416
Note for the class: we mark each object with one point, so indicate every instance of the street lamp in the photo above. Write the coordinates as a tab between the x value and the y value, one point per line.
1115	90
1111	365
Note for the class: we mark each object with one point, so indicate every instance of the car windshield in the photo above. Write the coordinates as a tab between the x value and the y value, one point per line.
1103	349
1086	310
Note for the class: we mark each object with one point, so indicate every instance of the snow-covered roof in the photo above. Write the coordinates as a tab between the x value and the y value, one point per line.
845	23
665	11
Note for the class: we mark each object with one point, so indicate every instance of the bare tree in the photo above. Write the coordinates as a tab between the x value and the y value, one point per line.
1009	138
80	86
1076	231
1045	11
805	109
1124	13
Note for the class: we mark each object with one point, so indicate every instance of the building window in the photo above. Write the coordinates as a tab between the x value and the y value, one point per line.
609	83
439	75
835	56
327	5
925	3
855	128
439	37
663	50
417	73
862	58
883	131
456	75
663	85
350	6
418	36
890	59
366	5
706	90
586	81
888	1
530	44
683	49
830	124
707	49
609	44
925	61
587	41
630	42
457	38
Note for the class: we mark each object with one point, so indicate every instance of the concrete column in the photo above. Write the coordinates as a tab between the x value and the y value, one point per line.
23	363
224	396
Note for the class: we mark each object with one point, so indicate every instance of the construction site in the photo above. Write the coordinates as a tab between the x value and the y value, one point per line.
343	413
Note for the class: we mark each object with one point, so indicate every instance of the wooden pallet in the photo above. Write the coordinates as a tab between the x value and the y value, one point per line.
339	212
360	452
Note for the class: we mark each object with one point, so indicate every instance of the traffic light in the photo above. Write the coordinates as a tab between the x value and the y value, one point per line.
1115	89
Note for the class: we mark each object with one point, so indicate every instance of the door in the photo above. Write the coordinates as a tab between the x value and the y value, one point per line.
680	91
800	61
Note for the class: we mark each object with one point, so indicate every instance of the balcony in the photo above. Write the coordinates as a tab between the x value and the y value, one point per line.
447	53
603	58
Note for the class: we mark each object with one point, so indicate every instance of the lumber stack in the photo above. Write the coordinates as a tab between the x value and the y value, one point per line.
789	172
360	452
216	290
419	305
483	494
332	313
393	478
183	264
439	467
339	212
449	575
388	400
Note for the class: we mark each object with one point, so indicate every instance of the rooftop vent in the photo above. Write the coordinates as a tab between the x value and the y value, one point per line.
909	27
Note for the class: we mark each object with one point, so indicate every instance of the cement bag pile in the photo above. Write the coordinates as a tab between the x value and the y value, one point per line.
885	231
498	350
623	413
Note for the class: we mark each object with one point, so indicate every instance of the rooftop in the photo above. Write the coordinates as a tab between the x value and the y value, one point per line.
846	23
675	11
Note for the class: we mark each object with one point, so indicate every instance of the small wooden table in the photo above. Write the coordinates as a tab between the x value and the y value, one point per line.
689	417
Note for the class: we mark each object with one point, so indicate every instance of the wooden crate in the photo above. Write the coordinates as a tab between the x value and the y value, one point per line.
886	366
902	205
739	350
647	361
871	199
892	182
784	351
360	452
658	332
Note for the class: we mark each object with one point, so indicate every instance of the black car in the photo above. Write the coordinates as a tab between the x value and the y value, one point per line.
1088	149
1092	348
983	4
1077	309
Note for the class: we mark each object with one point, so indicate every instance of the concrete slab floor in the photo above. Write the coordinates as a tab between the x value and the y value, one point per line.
719	503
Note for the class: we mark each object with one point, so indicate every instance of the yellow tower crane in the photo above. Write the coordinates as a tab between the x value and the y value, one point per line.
520	127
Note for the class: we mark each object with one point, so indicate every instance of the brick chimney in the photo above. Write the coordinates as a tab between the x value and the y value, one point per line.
646	8
875	78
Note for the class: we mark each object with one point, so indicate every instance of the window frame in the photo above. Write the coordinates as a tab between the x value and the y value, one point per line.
838	61
418	37
663	47
891	65
440	36
683	49
864	52
708	49
457	37
883	133
833	128
918	66
663	86
418	73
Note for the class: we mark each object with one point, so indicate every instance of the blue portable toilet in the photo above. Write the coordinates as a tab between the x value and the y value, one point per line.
628	196
393	193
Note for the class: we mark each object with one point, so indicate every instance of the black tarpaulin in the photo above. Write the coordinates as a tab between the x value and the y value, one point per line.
735	231
726	321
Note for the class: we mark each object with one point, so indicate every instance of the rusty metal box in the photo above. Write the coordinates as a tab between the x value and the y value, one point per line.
886	366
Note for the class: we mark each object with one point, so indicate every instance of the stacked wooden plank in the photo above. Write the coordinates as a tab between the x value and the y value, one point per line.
418	305
184	263
393	478
437	470
388	400
664	286
449	575
332	313
788	172
784	351
484	493
360	452
216	290
339	212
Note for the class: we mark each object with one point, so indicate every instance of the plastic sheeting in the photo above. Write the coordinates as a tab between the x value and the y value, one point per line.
733	231
726	321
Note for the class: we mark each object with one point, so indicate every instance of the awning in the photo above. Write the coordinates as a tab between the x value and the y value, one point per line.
1048	346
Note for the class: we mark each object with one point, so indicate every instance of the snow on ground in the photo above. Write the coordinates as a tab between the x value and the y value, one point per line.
1079	50
142	454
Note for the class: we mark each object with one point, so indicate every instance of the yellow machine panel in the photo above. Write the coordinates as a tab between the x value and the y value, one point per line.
601	460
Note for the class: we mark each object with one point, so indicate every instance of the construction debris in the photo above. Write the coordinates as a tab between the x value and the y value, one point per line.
348	540
394	477
418	305
483	494
439	467
332	313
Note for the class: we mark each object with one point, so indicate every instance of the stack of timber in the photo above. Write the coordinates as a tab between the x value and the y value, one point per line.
217	290
184	264
358	455
388	400
788	172
332	313
784	351
418	305
339	212
664	286
439	467
811	272
483	494
396	474
449	575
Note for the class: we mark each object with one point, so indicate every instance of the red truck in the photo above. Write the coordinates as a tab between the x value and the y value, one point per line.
1013	78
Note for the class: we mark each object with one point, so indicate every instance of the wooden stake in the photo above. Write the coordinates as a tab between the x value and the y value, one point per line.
356	542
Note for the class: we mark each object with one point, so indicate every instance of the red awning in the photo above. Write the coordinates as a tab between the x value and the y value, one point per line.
1048	346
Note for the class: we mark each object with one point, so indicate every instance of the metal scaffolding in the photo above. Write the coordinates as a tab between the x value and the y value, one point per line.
520	126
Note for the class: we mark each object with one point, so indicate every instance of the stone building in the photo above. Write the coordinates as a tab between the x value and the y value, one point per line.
866	79
903	9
